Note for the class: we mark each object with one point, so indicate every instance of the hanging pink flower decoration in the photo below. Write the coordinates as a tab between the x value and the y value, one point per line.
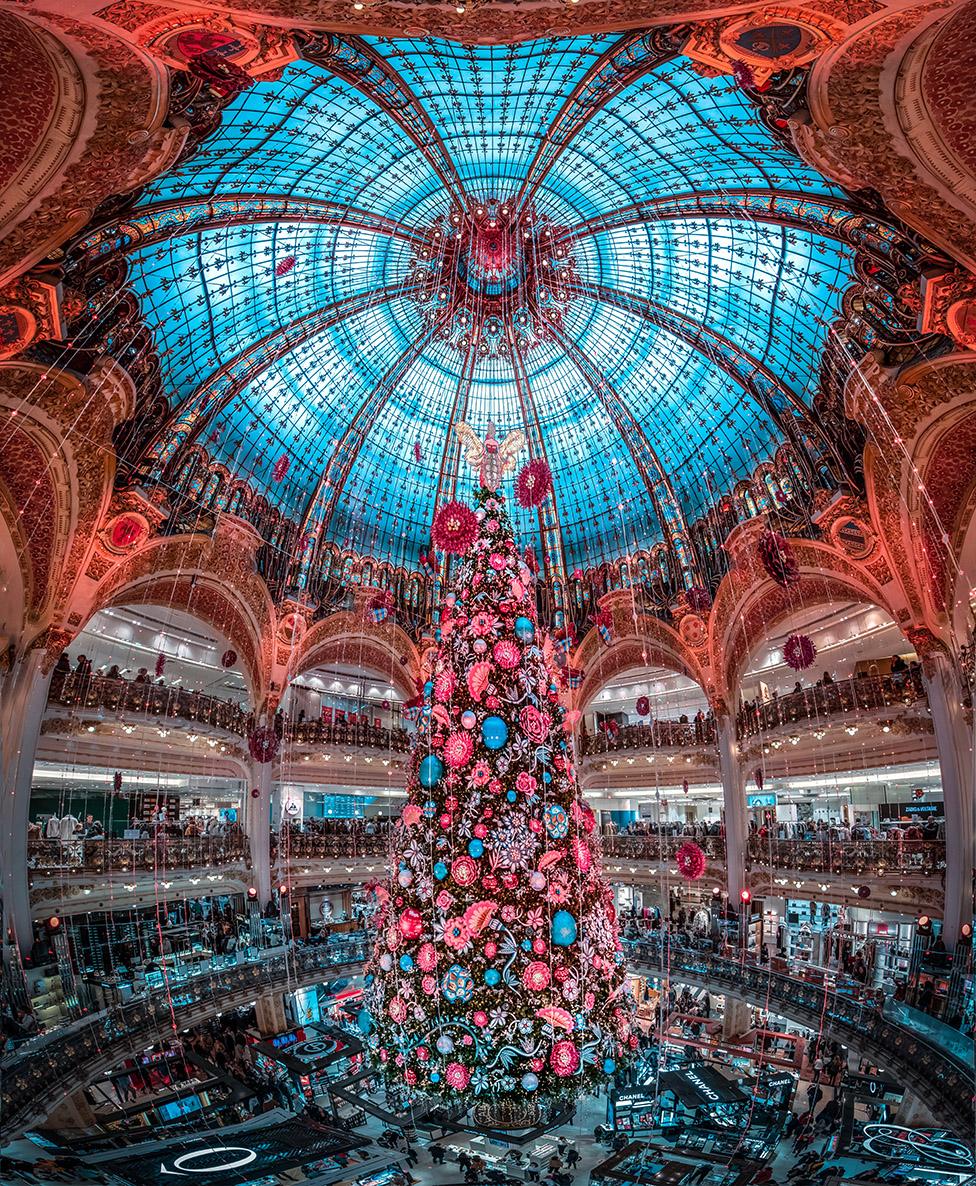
536	724
262	744
458	749
284	266
757	774
564	1058
281	467
690	860
777	558
581	854
643	706
533	483
455	528
160	664
799	651
417	454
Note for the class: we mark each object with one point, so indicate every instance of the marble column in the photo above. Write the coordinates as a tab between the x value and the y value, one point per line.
23	700
954	741
735	817
257	826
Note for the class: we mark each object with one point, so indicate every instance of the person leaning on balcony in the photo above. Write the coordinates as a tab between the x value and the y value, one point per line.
63	665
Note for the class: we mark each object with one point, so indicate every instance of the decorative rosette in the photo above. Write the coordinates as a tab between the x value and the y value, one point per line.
690	860
455	528
778	559
643	706
799	651
533	483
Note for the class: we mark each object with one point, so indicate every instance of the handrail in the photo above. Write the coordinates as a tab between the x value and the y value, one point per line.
944	1082
865	694
104	854
660	848
295	845
34	1081
890	855
147	699
653	735
144	698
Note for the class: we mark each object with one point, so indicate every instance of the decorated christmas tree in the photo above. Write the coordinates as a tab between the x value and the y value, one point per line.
497	973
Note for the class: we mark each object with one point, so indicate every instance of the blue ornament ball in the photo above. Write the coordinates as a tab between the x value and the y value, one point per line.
406	963
468	719
492	977
564	929
429	688
475	848
431	771
445	1044
511	796
529	1081
440	870
494	732
435	1076
609	1066
524	630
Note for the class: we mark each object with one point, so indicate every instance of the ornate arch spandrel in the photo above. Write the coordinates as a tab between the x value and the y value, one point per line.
347	637
748	604
100	130
212	579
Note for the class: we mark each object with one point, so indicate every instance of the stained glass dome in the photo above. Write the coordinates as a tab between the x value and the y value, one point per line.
582	238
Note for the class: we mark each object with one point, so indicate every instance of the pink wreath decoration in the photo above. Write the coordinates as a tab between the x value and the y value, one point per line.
263	744
778	559
533	483
691	861
455	528
799	651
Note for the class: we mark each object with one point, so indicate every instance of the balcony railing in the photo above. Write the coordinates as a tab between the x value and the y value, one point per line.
296	845
139	698
659	735
50	1068
142	699
340	733
159	853
920	857
660	848
866	694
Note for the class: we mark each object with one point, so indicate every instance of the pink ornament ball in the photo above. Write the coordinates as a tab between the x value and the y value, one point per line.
411	924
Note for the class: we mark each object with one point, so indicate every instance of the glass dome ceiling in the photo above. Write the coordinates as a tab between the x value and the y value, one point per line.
581	238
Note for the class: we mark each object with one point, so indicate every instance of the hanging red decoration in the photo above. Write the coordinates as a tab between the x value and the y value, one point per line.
699	599
455	528
643	706
531	563
778	559
284	266
684	786
799	651
117	781
416	452
281	467
160	664
603	621
380	605
533	483
758	776
610	728
690	860
223	76
262	743
228	658
426	567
